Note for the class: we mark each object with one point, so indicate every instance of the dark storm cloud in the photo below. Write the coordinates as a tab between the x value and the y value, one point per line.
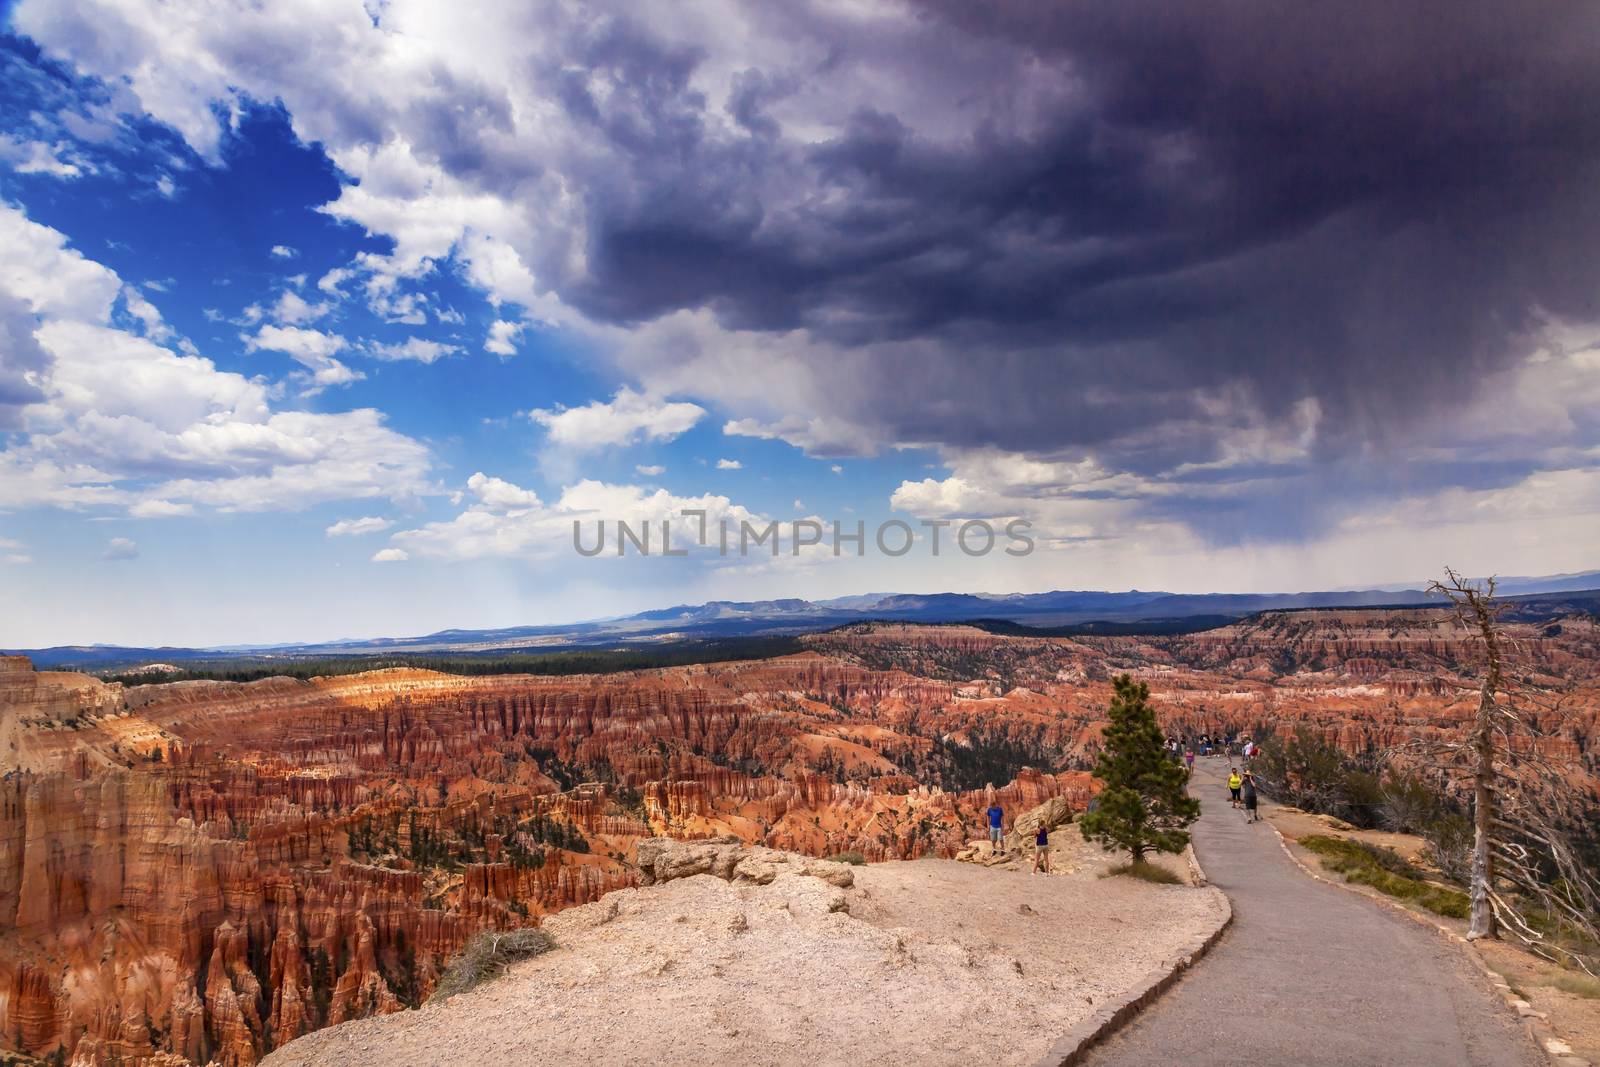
1242	250
1369	204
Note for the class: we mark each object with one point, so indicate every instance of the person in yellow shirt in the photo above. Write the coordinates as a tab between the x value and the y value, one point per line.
1234	783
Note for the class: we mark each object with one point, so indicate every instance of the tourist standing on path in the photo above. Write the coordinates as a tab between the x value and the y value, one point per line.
997	828
1041	850
1249	787
1188	760
1234	784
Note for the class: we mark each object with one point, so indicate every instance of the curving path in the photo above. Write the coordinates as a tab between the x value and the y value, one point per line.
1312	975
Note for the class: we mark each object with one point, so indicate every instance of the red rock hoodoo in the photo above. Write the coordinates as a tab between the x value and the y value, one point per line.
202	871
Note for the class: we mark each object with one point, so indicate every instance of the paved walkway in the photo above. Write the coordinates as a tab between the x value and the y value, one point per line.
1313	975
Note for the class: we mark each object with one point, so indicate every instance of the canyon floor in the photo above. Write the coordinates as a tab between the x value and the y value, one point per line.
925	961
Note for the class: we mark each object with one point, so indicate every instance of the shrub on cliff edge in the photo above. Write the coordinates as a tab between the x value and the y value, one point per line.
487	955
1387	872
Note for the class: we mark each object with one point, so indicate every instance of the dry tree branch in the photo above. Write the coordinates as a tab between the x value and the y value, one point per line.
1523	861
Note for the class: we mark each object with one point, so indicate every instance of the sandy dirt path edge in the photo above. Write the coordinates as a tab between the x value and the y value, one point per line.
1073	1046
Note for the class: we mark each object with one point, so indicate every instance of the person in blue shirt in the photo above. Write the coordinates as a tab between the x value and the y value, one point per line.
1041	849
997	828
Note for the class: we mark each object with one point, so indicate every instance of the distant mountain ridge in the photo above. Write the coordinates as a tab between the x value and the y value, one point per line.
1095	610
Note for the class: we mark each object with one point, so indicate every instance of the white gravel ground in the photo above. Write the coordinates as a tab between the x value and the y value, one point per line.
929	962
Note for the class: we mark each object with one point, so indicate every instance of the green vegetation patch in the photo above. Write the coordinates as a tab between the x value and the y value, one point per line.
487	956
855	859
575	661
1579	985
1388	872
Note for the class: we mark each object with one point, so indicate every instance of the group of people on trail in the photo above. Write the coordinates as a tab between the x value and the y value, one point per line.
1242	786
1242	792
997	838
1229	744
1209	745
1242	789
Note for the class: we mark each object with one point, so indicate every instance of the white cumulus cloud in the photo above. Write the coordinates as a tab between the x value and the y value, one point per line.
159	509
414	348
508	521
114	419
312	349
359	527
121	548
626	418
503	338
295	310
39	157
497	494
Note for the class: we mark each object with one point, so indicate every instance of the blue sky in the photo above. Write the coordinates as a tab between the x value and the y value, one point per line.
322	322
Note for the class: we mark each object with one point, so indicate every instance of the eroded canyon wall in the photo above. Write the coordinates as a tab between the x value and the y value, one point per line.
200	871
203	870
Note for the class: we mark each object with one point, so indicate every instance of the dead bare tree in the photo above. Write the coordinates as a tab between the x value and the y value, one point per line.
1523	863
1475	605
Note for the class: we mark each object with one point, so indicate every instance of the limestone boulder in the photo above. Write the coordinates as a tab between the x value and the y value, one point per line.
1053	813
663	859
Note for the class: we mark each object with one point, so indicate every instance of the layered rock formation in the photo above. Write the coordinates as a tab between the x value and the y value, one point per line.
1364	679
201	871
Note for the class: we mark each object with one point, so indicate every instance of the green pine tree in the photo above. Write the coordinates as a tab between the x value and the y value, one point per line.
1143	806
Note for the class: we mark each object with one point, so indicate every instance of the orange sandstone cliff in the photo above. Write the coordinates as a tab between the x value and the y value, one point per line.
201	871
